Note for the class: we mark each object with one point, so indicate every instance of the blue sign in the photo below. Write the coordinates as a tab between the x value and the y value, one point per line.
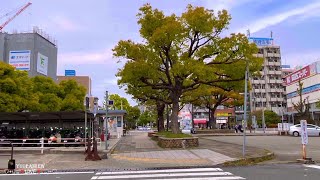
70	72
285	66
306	90
261	41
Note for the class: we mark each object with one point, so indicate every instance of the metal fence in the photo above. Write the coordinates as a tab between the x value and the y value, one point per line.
46	143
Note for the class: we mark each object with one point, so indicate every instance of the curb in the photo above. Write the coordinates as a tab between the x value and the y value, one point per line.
110	151
250	161
201	135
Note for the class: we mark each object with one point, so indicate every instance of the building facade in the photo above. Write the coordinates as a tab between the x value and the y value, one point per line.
267	90
309	76
34	52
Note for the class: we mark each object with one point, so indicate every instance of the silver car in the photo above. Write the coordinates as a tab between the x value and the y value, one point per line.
312	130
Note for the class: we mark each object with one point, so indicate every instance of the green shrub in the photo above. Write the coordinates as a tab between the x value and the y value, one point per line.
171	135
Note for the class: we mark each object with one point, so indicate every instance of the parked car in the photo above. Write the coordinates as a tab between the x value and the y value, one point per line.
312	130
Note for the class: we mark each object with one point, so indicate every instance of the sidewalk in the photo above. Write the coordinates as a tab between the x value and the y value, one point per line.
248	133
137	150
57	150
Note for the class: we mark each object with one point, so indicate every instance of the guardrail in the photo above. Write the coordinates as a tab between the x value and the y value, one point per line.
42	142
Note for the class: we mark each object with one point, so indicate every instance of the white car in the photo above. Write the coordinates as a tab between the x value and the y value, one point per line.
312	130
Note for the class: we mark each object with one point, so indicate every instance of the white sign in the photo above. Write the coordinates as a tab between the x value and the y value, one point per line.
20	59
304	132
42	64
286	126
221	121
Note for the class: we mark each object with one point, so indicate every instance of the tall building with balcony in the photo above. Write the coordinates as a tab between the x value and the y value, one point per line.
267	90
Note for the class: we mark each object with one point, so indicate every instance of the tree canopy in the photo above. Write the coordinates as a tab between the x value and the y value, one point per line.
18	92
271	118
181	53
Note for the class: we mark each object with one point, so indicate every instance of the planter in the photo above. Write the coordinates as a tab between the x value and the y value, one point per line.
155	137
215	131
178	142
151	133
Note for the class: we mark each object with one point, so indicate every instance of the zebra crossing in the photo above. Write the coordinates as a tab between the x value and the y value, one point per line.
179	174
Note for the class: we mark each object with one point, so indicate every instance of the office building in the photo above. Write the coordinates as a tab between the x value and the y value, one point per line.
310	77
35	52
267	90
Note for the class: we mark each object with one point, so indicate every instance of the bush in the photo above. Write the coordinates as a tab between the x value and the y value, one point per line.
171	135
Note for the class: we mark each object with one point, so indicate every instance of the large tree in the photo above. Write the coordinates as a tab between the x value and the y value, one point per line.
271	118
179	53
15	89
72	95
18	92
118	102
133	114
211	97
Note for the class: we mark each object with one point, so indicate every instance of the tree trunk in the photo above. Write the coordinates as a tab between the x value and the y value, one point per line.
160	113
174	116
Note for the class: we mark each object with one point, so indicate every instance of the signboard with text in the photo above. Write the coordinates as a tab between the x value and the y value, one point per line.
304	132
261	41
20	59
298	75
70	72
42	64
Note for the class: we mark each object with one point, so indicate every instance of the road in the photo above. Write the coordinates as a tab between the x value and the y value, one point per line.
263	172
286	148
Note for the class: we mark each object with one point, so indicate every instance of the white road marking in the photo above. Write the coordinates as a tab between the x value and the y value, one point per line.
161	171
313	166
53	173
209	178
165	175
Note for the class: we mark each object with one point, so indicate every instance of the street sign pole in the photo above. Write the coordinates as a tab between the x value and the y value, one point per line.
245	111
304	138
105	123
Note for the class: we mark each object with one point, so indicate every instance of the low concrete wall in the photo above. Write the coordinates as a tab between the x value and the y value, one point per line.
178	142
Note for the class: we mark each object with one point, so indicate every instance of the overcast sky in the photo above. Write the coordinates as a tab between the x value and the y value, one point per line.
87	30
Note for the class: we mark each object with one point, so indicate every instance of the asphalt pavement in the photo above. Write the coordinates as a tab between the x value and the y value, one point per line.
286	148
258	172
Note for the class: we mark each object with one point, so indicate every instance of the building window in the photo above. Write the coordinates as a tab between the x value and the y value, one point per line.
119	124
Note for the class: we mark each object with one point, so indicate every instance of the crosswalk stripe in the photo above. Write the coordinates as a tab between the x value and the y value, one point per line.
209	178
162	171
313	166
164	175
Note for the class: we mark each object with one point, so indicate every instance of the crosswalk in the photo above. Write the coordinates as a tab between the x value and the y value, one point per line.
179	174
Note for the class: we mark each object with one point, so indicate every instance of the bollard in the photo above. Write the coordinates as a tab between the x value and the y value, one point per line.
42	145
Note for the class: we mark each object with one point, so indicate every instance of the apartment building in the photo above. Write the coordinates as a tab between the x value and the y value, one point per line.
267	90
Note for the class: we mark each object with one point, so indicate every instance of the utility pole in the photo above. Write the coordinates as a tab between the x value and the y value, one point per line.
105	123
263	121
245	110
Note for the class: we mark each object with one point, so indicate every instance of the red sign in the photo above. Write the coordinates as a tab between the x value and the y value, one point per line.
296	76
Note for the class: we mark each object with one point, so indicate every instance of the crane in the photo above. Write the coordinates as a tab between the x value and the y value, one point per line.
15	15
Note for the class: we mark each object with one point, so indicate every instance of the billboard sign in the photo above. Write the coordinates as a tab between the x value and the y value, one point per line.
70	72
20	59
298	75
261	41
42	64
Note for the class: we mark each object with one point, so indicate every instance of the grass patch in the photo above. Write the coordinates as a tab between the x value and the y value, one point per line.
171	135
249	161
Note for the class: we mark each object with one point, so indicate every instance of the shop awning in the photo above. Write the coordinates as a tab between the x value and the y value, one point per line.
200	121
